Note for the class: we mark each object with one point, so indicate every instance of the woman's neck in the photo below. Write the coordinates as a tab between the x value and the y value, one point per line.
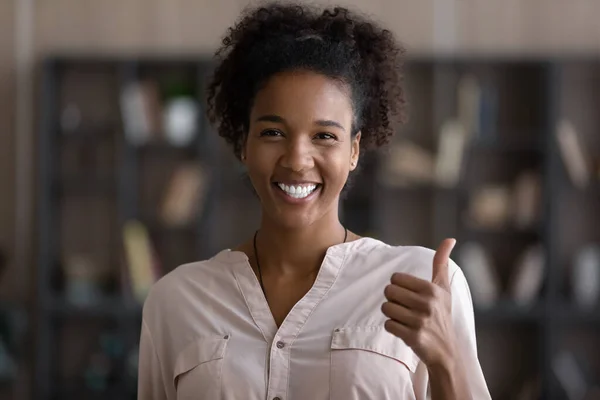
300	251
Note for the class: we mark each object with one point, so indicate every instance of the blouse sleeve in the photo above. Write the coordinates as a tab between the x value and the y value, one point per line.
464	325
150	381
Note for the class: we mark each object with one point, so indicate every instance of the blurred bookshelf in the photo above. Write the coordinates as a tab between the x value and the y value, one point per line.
124	141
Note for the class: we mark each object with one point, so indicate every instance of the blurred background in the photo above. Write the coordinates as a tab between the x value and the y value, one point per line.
110	177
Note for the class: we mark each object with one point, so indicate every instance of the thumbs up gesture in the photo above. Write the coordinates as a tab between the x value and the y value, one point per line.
419	311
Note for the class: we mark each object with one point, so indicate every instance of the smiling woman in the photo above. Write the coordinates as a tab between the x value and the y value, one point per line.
305	309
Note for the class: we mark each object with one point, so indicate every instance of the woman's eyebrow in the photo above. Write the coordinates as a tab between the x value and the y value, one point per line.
329	122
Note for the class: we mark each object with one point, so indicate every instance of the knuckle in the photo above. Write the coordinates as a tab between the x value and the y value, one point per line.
387	292
412	339
428	309
420	322
431	291
388	309
418	337
388	325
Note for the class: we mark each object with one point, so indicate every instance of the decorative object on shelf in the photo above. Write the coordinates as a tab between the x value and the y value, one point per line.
70	118
405	164
489	206
528	276
585	277
141	259
184	197
181	112
82	280
480	273
573	153
451	149
100	371
132	363
527	195
140	110
8	368
181	121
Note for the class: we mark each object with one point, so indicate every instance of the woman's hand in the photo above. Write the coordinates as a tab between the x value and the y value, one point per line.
420	311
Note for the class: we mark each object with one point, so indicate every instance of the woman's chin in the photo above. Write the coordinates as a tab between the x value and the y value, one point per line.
294	220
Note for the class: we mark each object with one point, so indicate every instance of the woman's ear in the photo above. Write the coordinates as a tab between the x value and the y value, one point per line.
243	149
355	153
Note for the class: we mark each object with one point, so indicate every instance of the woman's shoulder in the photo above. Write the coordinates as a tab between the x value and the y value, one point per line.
413	259
194	277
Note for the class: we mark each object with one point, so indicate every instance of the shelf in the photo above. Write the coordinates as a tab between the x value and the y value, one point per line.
508	147
162	148
85	185
592	190
76	392
507	312
422	189
501	233
158	227
109	307
572	315
90	134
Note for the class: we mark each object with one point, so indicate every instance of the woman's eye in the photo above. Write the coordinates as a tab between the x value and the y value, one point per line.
325	136
270	132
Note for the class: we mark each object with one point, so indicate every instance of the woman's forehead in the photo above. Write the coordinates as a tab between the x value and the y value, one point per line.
304	95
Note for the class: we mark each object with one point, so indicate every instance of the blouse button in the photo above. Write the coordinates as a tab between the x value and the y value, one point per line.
276	398
280	345
226	337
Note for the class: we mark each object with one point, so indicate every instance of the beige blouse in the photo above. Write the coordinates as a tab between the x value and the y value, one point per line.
208	333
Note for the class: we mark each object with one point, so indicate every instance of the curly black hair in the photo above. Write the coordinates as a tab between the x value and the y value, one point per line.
336	43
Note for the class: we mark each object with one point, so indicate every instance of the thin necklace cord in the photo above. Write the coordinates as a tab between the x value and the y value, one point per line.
260	278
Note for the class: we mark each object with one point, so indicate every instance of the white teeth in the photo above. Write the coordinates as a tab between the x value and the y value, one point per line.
298	191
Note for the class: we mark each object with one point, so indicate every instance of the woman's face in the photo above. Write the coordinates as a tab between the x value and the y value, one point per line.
299	149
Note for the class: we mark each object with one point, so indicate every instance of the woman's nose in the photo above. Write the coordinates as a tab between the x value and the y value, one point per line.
298	156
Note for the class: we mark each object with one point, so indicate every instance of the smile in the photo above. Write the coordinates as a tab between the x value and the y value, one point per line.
298	191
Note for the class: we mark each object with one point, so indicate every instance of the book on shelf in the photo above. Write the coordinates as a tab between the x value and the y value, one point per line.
184	196
585	277
450	156
526	199
528	276
497	206
489	206
477	108
481	274
573	153
571	375
143	268
468	98
530	389
407	164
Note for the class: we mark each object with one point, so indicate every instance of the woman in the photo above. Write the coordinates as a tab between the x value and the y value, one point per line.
306	309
